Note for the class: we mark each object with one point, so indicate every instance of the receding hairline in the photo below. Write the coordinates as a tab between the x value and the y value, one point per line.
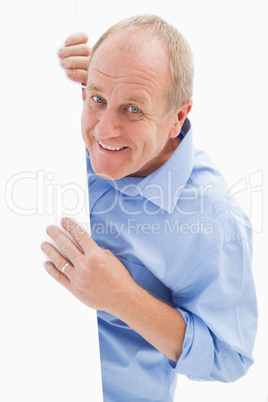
124	38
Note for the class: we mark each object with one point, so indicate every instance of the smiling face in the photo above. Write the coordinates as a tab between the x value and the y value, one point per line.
124	124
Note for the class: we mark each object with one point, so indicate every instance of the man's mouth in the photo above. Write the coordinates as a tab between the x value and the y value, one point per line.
109	147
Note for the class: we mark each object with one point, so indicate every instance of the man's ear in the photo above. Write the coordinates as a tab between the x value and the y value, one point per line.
180	116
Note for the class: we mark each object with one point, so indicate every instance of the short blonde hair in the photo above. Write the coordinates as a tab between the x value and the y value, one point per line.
180	87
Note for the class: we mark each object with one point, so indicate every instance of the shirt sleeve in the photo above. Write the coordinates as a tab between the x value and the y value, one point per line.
218	304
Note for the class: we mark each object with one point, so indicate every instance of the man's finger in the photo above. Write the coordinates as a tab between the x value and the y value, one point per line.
78	76
80	62
68	248
78	233
57	275
77	50
58	260
76	38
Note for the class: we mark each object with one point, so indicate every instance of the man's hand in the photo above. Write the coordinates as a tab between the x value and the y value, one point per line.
74	57
96	277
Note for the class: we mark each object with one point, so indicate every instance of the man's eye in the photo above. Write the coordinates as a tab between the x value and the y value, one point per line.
98	99
133	109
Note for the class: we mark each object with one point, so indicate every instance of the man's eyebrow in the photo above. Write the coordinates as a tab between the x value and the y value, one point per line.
92	87
136	99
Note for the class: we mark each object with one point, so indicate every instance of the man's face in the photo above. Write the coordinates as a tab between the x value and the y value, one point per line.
124	124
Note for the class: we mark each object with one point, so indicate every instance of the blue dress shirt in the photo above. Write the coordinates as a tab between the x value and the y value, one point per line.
177	234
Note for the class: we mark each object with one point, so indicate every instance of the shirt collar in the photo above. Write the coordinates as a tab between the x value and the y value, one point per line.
164	186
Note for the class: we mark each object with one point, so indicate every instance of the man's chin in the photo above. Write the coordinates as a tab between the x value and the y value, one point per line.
108	174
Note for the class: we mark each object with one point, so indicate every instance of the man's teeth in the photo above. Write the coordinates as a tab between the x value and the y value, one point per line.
110	148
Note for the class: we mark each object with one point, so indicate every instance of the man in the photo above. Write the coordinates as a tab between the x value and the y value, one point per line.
167	267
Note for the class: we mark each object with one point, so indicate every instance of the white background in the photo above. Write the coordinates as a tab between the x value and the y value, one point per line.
44	328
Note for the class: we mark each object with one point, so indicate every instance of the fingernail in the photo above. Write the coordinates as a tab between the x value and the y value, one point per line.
60	53
49	229
43	246
64	221
66	43
63	62
70	73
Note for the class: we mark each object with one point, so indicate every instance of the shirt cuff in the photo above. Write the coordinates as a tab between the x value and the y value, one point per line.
197	355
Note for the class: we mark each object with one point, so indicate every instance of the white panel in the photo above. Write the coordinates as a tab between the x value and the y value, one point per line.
49	339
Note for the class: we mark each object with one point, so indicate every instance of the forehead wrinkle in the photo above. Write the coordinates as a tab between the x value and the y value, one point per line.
134	98
106	75
146	76
144	80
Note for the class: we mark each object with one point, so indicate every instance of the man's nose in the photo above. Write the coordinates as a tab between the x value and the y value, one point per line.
108	125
